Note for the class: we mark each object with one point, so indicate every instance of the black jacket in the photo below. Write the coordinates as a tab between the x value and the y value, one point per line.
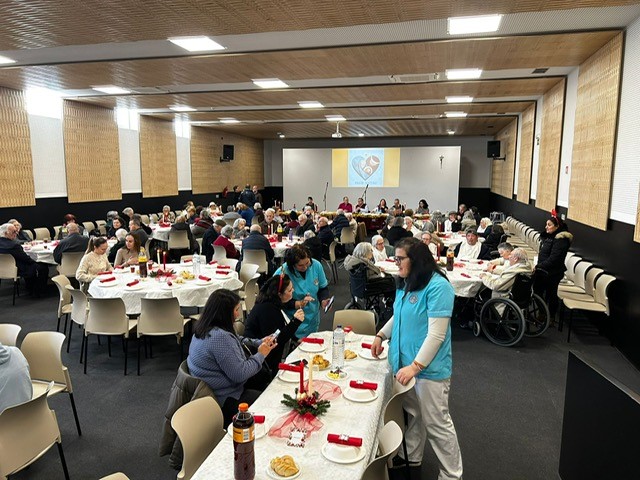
257	241
247	197
315	246
339	222
308	225
114	251
142	236
397	233
26	265
553	250
73	243
207	242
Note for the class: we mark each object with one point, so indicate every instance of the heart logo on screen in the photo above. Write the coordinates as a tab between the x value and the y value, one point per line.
365	166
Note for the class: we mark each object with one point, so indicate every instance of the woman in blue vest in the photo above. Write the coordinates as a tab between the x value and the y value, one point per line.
419	336
310	290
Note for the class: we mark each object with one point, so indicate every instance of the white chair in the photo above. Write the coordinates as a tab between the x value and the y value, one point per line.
231	262
70	263
88	226
154	218
101	225
64	303
9	271
116	476
160	317
179	240
42	233
199	425
9	334
389	440
28	233
27	432
79	312
570	262
599	305
43	351
579	278
577	293
144	219
393	410
257	257
219	253
347	236
363	322
107	316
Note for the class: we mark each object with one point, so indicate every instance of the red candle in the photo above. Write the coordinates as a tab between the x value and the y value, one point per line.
164	260
301	390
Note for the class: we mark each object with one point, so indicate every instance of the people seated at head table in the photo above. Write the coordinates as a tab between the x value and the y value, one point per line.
167	215
397	204
382	207
423	207
468	221
494	238
210	236
452	224
269	226
202	223
291	223
257	241
361	207
379	248
35	274
73	242
15	381
246	212
135	227
128	255
305	224
257	195
69	218
497	264
116	224
500	283
222	359
224	240
94	261
397	231
339	222
484	227
345	205
21	236
313	243
471	248
428	239
240	230
311	203
121	235
247	197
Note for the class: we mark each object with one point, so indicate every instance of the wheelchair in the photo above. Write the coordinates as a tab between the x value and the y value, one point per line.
506	320
375	296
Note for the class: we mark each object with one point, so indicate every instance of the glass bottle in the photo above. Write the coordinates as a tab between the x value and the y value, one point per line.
142	262
244	462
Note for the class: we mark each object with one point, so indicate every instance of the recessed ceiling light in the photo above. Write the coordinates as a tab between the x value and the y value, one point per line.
455	114
361	134
6	60
335	118
461	99
476	24
310	104
451	132
463	73
181	108
269	83
196	44
111	89
281	135
229	120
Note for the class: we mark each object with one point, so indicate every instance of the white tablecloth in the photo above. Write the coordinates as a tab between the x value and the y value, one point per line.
43	252
279	248
189	294
160	233
355	419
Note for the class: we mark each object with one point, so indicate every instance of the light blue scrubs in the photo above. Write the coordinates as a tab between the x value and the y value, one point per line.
314	280
411	313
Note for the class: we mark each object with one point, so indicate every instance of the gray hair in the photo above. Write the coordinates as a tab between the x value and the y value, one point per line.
257	206
227	231
127	211
270	210
307	208
167	207
230	208
256	228
520	255
468	215
73	228
472	231
398	222
111	214
302	218
375	239
121	233
487	221
349	215
205	213
236	224
505	246
340	211
212	205
135	221
363	250
4	228
309	234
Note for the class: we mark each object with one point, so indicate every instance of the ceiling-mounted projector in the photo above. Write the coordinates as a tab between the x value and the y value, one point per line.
337	133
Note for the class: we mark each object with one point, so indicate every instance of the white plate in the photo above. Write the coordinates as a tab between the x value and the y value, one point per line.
360	395
343	375
360	453
222	276
289	377
203	282
313	347
137	286
272	474
366	354
102	275
259	431
109	284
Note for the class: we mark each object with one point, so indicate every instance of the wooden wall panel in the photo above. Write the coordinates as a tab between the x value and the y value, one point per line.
550	143
92	156
16	165
503	171
595	136
526	154
209	175
158	158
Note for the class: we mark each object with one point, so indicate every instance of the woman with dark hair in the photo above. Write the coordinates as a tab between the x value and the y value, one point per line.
555	243
292	222
221	359
382	207
94	261
128	255
68	218
268	315
492	240
116	224
310	287
423	207
420	347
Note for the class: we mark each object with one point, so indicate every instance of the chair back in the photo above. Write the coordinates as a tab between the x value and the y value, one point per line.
238	327
144	219
160	316
26	432
28	233
79	305
570	263
389	441
43	352
251	292
199	425
42	233
347	235
70	263
257	257
153	218
101	225
178	239
580	274
363	322
65	296
8	267
231	262
107	316
219	253
522	289
9	334
393	411
602	290
247	272
590	281
88	226
332	251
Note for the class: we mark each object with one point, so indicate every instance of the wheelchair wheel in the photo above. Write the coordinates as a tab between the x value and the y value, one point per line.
502	321
354	304
536	317
477	329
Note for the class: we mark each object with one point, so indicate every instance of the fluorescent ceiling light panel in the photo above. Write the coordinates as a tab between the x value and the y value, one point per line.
111	89
281	135
229	120
269	83
451	132
310	104
476	24
196	44
6	60
181	108
455	114
463	73
361	134
335	118
461	99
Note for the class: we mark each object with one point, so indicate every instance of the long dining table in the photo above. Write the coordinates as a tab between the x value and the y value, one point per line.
353	418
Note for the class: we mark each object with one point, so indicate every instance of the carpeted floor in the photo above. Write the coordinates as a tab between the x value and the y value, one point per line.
506	403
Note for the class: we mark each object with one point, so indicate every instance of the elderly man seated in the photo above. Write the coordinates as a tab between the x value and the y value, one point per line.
471	248
340	221
496	265
73	242
34	274
257	241
431	243
500	284
304	225
22	236
269	226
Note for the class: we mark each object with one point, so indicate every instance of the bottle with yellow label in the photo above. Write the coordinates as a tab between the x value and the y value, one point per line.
142	261
244	462
279	231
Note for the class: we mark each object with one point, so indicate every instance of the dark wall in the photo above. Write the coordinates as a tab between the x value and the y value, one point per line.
615	252
479	197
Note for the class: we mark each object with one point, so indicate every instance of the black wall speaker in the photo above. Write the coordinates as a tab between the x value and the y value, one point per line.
493	149
227	153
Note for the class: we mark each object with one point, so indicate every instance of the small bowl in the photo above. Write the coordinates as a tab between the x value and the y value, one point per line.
343	453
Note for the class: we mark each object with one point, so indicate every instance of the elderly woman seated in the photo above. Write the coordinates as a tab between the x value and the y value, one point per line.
202	223
379	248
500	284
468	220
364	275
240	230
496	265
167	215
484	228
471	248
224	240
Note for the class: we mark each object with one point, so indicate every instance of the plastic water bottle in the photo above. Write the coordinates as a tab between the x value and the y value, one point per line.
291	234
196	264
337	352
244	461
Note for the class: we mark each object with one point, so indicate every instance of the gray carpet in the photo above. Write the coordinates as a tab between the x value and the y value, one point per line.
506	403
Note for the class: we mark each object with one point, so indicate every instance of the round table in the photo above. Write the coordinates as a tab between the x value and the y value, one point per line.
160	233
279	248
191	293
43	252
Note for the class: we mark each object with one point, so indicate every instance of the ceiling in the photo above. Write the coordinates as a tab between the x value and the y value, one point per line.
379	63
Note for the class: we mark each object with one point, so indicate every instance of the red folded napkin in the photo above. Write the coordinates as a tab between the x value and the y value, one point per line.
110	279
225	267
389	260
187	260
465	275
348	329
480	262
213	262
290	368
106	272
117	267
344	440
362	385
163	224
319	341
131	284
203	278
458	265
258	418
222	272
368	345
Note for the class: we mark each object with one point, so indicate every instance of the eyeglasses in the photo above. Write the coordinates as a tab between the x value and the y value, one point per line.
398	259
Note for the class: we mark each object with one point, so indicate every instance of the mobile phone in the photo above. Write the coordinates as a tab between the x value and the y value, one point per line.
275	334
